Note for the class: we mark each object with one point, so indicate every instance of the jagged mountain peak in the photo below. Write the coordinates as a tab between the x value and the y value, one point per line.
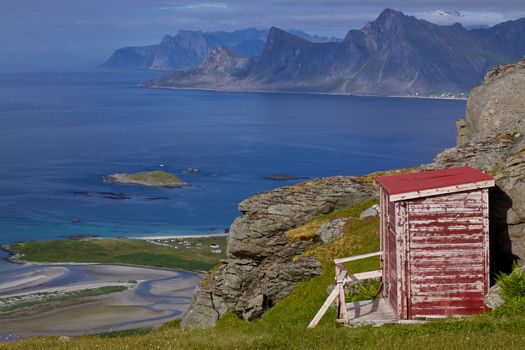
278	39
188	48
222	57
280	34
166	39
394	54
388	20
390	13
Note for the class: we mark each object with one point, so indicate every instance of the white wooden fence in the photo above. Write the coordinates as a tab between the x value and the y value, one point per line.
338	294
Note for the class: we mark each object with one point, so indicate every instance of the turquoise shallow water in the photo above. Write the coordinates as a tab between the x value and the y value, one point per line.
62	132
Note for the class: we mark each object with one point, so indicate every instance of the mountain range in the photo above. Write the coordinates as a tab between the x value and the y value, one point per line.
189	48
395	54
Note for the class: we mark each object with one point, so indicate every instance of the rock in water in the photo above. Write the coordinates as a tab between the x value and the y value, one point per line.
192	170
281	177
263	266
149	178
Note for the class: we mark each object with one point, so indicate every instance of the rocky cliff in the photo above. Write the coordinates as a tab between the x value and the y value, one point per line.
189	48
263	266
223	67
491	137
394	54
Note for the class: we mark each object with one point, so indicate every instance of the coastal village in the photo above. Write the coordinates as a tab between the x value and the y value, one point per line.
177	243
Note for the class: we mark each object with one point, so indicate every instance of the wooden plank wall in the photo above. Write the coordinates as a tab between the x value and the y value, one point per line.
391	256
448	254
382	229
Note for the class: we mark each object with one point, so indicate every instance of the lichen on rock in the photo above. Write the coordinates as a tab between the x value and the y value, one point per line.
331	230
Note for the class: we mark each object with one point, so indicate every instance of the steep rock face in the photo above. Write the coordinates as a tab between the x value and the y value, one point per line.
395	54
221	63
223	60
497	106
183	50
263	266
505	37
491	138
187	49
509	207
132	57
420	56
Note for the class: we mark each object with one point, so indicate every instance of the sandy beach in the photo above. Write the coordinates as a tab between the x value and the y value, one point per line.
158	296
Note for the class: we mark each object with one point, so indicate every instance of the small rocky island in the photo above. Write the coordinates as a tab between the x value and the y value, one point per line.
282	177
148	178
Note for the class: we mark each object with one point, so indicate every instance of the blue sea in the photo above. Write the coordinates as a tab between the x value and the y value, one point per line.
62	132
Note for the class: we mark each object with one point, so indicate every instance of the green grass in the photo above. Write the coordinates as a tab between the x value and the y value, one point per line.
125	251
40	299
284	326
126	333
309	230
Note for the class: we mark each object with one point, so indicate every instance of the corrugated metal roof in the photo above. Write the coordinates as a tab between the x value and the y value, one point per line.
432	179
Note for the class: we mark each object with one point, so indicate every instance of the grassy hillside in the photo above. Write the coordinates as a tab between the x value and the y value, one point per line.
284	326
173	253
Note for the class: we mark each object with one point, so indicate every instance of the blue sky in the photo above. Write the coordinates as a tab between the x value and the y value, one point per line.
52	33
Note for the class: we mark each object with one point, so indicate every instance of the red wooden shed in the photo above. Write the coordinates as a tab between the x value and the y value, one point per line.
435	242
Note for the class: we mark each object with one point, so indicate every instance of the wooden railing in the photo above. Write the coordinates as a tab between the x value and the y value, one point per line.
338	294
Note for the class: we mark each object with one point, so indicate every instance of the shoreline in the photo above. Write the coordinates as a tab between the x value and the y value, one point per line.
213	235
143	303
142	86
16	258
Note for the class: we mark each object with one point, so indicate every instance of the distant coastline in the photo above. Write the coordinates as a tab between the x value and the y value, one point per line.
192	253
181	236
300	93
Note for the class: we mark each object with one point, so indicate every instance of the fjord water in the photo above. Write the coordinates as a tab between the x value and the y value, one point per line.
62	132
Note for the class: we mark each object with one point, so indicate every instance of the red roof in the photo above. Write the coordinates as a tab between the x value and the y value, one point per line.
433	179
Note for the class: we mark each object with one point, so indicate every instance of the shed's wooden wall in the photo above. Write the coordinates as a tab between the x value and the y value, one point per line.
447	253
389	247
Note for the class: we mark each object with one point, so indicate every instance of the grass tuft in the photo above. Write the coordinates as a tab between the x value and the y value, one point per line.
512	285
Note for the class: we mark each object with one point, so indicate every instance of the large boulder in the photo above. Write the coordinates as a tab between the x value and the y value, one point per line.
263	265
496	108
484	155
491	138
331	230
492	298
509	206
